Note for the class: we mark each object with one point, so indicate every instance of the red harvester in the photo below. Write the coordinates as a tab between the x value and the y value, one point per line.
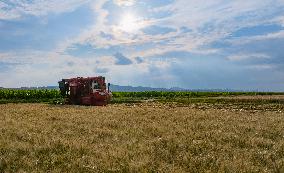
85	91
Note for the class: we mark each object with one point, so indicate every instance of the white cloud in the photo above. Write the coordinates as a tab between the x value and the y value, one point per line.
16	9
124	2
260	67
242	57
43	67
247	40
37	68
209	21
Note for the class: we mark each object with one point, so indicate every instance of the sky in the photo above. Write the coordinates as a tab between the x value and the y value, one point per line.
193	44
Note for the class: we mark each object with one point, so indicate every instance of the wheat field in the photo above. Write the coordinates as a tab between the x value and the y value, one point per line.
144	137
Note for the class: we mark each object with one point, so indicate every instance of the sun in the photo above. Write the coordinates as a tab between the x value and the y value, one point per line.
130	23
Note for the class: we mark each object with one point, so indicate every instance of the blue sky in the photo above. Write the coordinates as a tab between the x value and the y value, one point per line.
201	44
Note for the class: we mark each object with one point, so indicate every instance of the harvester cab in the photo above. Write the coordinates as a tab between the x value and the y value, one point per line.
85	91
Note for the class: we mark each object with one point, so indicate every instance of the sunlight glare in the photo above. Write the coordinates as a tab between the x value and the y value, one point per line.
130	23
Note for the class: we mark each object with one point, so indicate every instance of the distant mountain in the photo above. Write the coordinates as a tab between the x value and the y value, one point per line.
119	88
134	89
33	88
140	88
177	89
114	88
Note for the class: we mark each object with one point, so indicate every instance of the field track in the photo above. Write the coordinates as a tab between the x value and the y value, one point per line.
140	137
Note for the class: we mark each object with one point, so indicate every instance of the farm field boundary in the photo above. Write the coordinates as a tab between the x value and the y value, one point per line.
52	96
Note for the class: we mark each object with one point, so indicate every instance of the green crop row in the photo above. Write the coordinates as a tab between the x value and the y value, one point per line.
29	94
169	94
53	94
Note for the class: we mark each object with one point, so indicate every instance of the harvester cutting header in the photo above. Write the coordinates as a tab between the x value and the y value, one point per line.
85	91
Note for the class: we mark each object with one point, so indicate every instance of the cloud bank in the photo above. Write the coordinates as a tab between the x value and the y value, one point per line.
192	44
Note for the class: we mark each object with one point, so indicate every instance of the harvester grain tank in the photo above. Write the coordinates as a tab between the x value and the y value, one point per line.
85	91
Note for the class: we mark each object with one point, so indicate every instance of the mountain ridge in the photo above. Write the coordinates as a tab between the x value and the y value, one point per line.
119	88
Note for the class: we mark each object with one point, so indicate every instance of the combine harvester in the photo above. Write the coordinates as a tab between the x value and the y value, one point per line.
91	91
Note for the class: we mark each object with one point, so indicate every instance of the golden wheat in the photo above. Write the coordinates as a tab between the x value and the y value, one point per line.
147	137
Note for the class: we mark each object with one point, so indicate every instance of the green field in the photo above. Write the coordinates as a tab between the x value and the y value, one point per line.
38	95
